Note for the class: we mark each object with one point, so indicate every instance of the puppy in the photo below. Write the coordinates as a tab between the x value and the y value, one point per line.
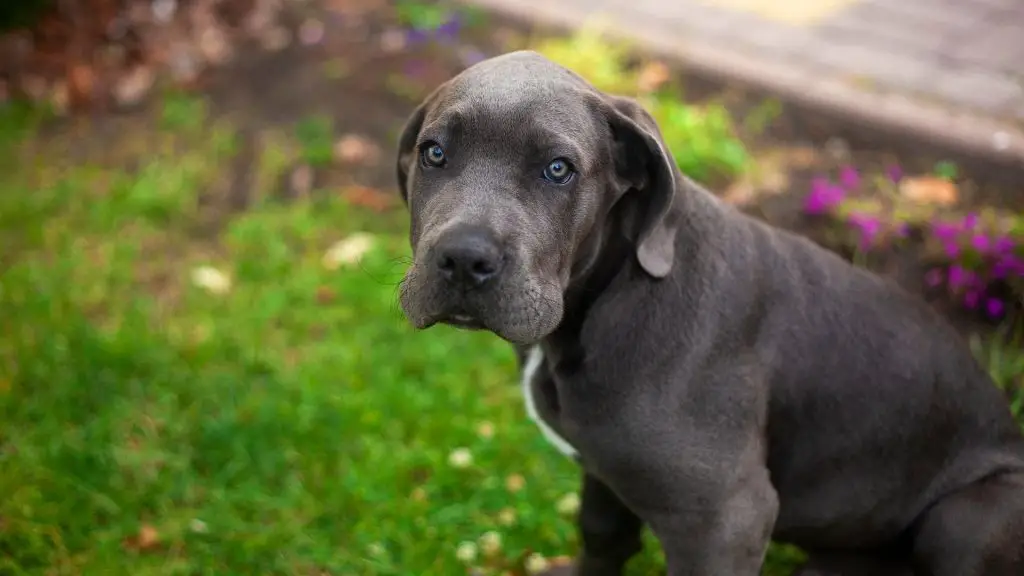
720	381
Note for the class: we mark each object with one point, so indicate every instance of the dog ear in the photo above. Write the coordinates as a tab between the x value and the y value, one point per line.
642	160
406	155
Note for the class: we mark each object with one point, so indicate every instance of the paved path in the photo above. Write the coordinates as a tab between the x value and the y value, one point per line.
947	69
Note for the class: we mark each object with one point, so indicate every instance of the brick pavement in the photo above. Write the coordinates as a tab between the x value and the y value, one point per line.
946	69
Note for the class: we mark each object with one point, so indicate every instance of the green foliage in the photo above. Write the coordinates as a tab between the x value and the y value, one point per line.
316	137
421	15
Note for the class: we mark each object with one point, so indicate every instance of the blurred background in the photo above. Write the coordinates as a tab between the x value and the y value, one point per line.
203	367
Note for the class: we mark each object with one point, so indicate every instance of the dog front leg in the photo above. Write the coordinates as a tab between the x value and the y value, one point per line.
727	536
610	532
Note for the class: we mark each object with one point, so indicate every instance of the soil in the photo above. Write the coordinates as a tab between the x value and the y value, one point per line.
367	74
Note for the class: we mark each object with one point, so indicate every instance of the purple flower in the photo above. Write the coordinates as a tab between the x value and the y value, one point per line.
449	30
415	36
981	243
823	196
902	230
895	173
1015	265
995	307
945	230
869	227
951	248
849	178
959	277
970	221
1003	245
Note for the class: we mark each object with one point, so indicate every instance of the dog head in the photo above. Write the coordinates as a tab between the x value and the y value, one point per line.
510	171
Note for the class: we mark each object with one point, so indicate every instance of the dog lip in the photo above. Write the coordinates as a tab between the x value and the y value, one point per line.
463	321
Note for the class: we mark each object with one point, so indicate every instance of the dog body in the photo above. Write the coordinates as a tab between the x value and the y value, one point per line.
721	381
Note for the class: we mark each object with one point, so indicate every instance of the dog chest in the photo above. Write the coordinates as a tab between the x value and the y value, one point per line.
532	379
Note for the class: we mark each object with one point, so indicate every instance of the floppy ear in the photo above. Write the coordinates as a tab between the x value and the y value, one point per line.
643	163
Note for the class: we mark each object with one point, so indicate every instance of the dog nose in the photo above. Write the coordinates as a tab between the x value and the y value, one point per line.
469	257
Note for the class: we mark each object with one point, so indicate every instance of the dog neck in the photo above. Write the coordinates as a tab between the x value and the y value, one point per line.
610	254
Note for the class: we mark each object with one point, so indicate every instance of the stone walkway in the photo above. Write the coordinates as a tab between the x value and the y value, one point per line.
946	69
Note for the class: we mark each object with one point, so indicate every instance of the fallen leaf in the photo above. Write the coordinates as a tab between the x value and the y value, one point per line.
392	41
81	83
211	280
652	76
325	295
929	190
131	88
213	45
348	251
147	538
514	483
356	149
370	198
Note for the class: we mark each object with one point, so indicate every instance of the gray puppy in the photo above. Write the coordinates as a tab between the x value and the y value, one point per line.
720	381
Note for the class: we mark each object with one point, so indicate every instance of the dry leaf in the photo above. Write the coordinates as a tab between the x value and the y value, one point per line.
325	295
929	190
81	83
131	88
356	149
213	45
370	198
147	538
654	75
348	251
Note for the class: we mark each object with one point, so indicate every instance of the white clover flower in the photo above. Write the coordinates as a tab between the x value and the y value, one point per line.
490	542
507	517
460	458
535	564
466	552
569	504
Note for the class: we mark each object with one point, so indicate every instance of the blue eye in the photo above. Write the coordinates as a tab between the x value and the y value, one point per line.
433	155
558	171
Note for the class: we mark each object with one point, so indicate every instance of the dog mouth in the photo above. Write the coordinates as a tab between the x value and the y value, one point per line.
464	321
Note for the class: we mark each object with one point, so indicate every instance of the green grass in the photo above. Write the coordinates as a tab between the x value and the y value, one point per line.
290	423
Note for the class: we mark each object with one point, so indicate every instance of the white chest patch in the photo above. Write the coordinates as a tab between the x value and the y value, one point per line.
534	360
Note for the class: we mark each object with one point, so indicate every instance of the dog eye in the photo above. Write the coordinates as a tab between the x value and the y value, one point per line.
559	171
433	155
